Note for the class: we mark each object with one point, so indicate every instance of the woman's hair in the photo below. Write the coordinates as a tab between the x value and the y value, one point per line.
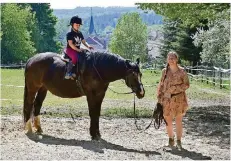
173	53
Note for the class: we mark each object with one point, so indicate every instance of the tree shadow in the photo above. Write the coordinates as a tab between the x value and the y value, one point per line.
212	122
96	146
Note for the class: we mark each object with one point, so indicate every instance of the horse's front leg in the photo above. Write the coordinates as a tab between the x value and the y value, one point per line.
94	106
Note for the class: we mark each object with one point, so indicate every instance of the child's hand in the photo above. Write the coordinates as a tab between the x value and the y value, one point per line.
90	47
80	50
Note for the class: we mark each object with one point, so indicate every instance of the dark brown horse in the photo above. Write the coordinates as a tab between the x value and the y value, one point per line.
45	71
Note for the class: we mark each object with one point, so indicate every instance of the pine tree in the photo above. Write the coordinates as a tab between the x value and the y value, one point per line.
44	36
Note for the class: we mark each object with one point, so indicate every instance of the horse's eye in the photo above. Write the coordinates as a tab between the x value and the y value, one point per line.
140	74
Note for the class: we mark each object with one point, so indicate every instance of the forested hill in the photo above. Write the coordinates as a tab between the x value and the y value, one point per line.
85	12
105	18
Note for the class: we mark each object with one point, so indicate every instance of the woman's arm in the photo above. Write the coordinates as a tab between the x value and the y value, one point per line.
159	87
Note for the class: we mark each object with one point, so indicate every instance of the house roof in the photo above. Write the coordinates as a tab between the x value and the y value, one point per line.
97	39
94	41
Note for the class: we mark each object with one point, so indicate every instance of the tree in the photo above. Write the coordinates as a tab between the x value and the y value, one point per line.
169	32
215	41
190	14
44	35
188	18
16	40
129	39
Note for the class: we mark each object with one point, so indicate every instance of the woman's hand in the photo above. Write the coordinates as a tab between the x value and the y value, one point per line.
167	95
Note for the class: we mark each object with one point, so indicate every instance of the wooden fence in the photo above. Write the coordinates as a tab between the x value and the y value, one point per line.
214	75
20	65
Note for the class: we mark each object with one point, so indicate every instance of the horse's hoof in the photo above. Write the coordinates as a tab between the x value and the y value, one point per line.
28	132
39	131
28	127
39	136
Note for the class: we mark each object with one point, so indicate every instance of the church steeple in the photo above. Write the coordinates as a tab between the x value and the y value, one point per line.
91	27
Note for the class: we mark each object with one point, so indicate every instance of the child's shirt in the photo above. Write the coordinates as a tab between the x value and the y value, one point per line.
76	38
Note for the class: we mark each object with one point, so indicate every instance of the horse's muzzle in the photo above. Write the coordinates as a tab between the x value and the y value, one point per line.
140	94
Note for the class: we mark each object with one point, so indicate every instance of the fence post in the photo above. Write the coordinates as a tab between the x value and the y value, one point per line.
207	78
196	69
21	64
206	74
220	78
214	75
202	73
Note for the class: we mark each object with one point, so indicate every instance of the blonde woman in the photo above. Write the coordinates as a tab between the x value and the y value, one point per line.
171	94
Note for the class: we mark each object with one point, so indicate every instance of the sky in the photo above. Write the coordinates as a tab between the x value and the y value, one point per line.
71	4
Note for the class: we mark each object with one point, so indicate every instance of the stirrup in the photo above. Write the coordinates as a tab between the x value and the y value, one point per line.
68	75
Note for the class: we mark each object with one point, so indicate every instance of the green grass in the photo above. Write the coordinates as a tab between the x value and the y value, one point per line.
56	106
14	77
127	112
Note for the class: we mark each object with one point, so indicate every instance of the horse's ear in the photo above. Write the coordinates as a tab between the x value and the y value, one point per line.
138	61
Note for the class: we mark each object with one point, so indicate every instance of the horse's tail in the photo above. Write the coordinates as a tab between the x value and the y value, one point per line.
24	102
25	95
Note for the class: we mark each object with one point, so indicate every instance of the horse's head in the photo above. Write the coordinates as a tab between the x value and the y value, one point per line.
133	78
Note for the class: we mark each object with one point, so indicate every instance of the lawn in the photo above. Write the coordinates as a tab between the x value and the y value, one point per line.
113	104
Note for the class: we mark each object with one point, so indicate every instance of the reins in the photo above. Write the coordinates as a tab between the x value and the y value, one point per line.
157	121
103	80
134	104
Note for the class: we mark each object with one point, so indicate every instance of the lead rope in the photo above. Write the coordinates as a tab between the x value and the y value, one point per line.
135	116
159	118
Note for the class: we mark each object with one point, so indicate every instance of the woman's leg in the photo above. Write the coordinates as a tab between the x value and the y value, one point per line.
179	130
169	129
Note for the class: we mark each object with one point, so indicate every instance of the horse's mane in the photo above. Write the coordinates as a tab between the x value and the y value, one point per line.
107	60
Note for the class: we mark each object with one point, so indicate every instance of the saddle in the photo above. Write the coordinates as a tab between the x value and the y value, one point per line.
80	66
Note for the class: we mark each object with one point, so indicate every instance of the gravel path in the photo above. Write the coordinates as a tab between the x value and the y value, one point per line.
206	136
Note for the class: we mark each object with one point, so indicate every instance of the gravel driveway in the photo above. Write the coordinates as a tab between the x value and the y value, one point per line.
206	136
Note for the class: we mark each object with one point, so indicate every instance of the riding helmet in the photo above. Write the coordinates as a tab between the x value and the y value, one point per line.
76	19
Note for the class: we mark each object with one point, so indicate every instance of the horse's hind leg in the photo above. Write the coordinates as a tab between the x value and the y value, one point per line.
37	107
29	95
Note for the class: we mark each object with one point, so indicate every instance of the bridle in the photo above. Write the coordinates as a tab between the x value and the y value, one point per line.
129	84
126	78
